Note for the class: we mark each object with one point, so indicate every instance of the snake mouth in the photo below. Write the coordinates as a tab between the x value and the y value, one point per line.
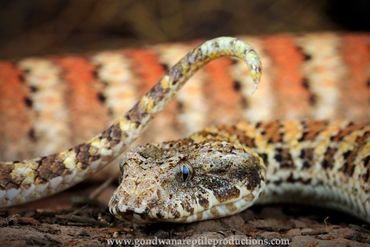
130	214
222	209
144	215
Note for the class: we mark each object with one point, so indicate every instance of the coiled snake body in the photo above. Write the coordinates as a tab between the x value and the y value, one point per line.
214	173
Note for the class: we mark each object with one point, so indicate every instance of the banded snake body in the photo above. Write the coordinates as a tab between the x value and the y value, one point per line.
217	172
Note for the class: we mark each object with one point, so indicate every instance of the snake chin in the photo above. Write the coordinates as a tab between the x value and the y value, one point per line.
186	181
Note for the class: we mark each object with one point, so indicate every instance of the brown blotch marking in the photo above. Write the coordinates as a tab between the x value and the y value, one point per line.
346	131
306	57
264	157
284	157
250	174
307	155
271	131
32	134
329	160
164	66
216	44
300	180
101	97
291	179
50	167
174	212
192	56
239	134
366	175
278	182
180	106
223	191
231	207
350	156
215	213
312	129
249	198
204	134
199	216
159	195
22	77
136	114
237	85
305	83
33	89
187	206
157	93
28	102
6	181
312	99
244	103
95	72
176	73
113	134
203	201
83	156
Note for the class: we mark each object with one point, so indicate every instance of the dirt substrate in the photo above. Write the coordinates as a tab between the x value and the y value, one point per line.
66	220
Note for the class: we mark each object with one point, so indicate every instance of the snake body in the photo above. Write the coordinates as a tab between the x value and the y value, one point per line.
23	181
242	170
48	104
223	170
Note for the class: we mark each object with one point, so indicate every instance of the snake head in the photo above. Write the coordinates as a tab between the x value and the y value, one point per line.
186	181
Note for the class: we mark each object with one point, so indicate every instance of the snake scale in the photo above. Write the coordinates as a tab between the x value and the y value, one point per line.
48	104
213	173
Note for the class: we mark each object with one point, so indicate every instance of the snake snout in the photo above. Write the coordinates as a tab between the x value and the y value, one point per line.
126	212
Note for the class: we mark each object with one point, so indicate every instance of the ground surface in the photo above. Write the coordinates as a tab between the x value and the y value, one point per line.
66	220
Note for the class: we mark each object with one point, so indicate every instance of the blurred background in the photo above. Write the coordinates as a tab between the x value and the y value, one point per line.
52	27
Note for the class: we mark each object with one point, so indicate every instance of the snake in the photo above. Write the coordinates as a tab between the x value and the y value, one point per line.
223	170
217	172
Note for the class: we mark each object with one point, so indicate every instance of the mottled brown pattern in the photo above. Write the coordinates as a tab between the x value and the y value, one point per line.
240	135
113	134
174	212
222	148
6	181
214	212
227	192
136	114
312	129
366	175
50	167
176	73
83	155
328	161
284	158
252	174
346	131
254	177
157	93
203	201
307	156
187	206
291	179
351	155
271	131
294	181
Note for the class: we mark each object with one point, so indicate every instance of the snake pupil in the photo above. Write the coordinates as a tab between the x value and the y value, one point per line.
186	172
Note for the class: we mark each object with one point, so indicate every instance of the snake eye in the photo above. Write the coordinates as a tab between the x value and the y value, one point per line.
186	172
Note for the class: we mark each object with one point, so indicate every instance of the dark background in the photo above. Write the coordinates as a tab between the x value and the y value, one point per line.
56	26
